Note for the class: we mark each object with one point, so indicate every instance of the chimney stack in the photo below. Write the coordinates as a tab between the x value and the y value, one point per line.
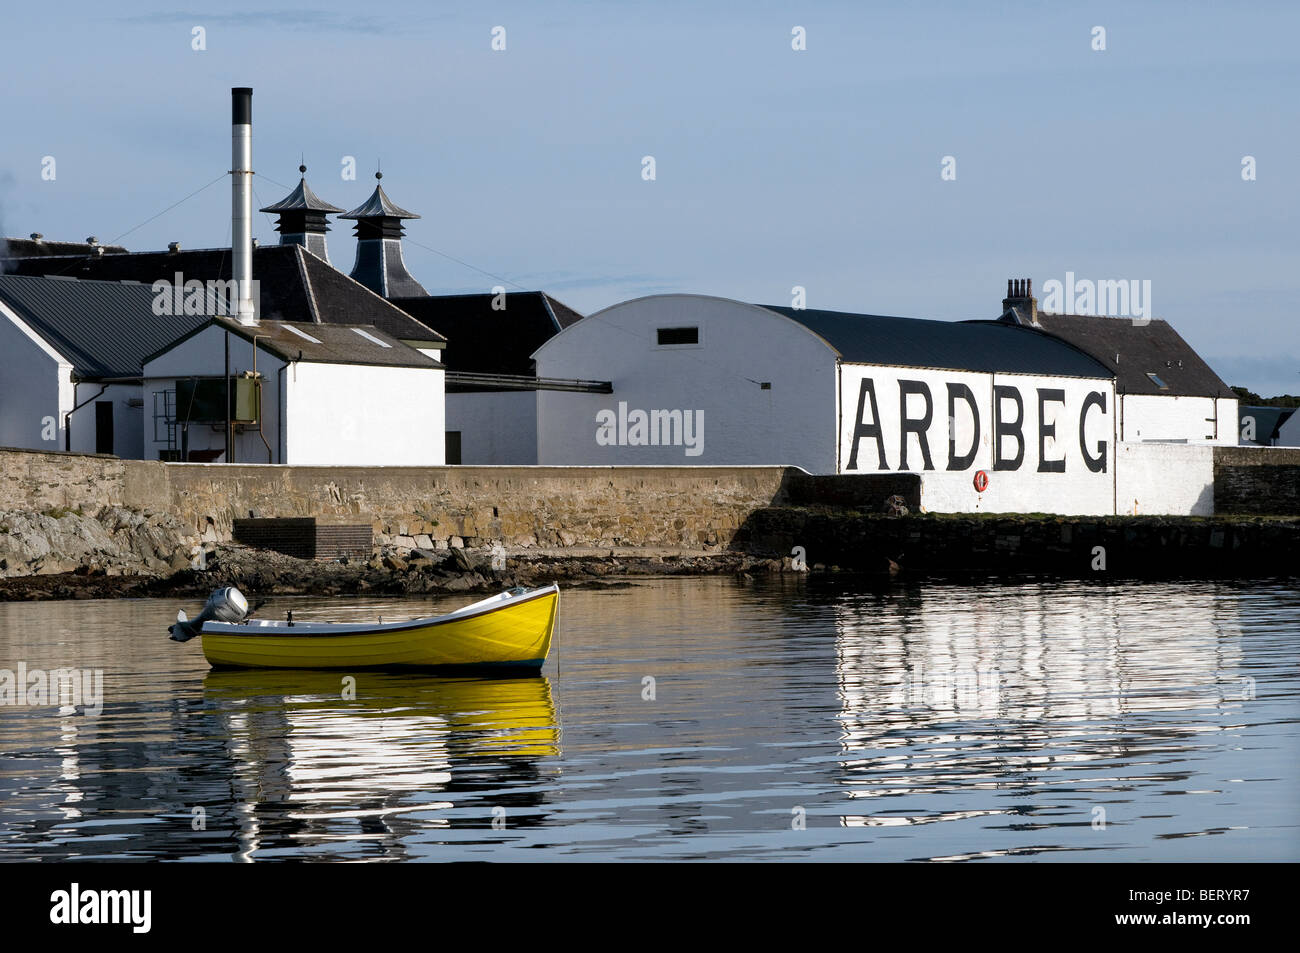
241	205
1020	306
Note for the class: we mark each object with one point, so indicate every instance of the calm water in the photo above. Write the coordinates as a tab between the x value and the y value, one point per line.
697	718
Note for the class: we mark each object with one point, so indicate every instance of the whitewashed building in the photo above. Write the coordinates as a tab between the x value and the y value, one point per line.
70	362
703	380
304	394
1166	392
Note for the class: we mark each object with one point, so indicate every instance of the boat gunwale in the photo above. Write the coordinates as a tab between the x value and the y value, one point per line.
280	630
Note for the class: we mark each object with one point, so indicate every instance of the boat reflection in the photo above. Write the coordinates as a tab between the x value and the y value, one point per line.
366	761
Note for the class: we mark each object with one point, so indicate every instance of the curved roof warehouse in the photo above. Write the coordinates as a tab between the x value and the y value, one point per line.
706	380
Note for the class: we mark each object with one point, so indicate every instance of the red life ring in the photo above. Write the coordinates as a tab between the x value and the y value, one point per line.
981	481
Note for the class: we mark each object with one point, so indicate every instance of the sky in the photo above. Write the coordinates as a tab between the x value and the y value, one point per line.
774	168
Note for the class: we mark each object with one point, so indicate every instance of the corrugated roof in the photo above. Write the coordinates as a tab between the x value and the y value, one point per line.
104	328
294	284
987	346
1131	351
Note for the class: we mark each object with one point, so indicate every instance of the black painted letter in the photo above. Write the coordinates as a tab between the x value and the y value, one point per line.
1096	464
861	429
958	392
916	425
1007	428
1046	430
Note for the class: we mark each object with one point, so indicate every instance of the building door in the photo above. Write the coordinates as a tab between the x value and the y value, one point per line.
453	447
103	426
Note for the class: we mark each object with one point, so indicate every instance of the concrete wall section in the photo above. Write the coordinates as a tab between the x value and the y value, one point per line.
1055	453
496	427
31	480
1165	479
524	506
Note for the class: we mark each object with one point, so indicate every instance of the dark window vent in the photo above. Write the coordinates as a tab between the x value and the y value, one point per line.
669	336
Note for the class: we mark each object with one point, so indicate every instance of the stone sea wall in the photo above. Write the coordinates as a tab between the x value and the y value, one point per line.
1257	480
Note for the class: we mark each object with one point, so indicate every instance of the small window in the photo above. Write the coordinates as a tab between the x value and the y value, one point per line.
1158	382
671	336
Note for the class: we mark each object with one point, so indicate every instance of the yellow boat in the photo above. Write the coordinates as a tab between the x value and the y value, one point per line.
506	633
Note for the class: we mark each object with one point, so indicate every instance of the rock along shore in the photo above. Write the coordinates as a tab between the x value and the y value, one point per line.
121	552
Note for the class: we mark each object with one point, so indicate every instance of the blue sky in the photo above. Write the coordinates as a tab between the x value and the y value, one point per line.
774	168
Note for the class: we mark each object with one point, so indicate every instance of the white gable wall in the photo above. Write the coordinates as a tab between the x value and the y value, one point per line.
35	387
354	414
740	345
203	355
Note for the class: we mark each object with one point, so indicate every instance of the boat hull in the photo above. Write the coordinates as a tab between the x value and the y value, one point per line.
513	637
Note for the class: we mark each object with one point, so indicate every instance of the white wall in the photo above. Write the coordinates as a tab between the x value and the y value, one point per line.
35	387
1161	479
128	421
353	414
496	427
203	355
947	483
1191	419
740	346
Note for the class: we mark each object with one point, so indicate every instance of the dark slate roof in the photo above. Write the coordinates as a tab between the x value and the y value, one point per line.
33	248
961	346
302	199
564	315
104	328
379	205
485	341
333	344
1268	421
1142	349
295	285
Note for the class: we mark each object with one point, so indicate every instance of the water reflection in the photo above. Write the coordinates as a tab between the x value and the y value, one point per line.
260	764
958	704
319	760
702	717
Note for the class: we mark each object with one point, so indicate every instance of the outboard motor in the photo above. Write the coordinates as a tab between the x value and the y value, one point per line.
224	605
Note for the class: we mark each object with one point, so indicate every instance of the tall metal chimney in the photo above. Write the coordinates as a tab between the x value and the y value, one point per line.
241	205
